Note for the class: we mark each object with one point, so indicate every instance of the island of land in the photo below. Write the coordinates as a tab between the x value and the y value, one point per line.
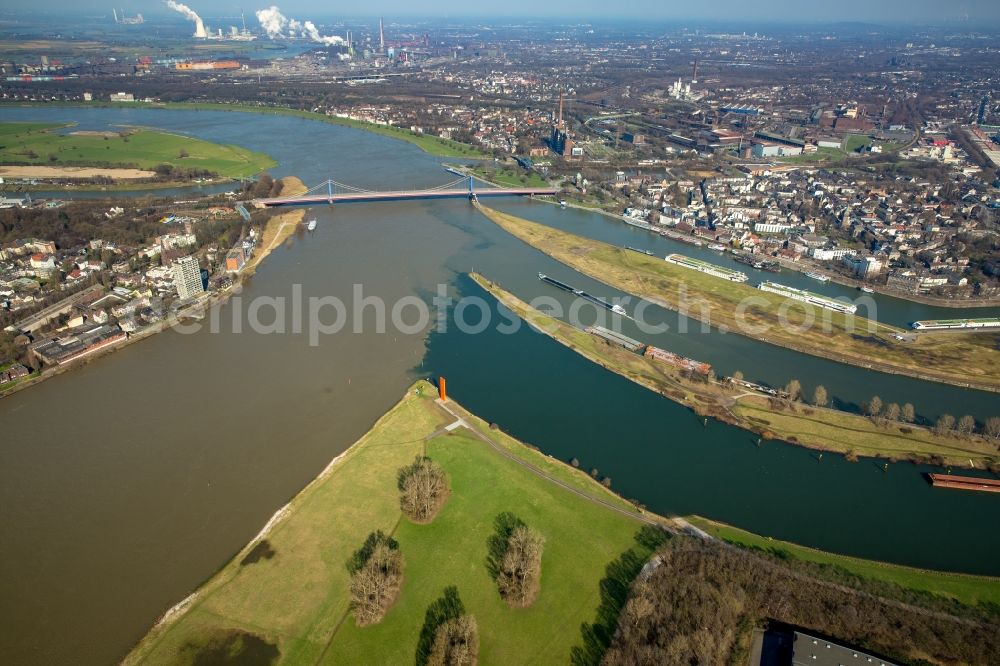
119	158
285	597
967	360
814	427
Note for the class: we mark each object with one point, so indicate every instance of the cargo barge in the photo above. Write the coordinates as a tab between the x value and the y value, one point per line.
965	482
615	338
614	307
556	283
681	238
954	324
638	223
707	268
772	266
808	297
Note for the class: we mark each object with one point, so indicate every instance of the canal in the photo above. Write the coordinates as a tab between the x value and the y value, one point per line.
127	482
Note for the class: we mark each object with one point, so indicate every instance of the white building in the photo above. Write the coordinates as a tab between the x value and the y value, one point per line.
828	254
864	266
187	277
771	227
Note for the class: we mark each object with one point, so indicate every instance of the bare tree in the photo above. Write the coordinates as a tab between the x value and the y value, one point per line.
520	572
737	376
820	399
909	414
966	425
992	427
456	643
874	407
945	424
376	575
891	412
423	489
794	389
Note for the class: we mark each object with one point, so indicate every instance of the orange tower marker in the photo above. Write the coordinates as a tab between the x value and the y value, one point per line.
442	393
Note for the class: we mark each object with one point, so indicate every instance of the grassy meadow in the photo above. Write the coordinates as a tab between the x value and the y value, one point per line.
41	144
286	596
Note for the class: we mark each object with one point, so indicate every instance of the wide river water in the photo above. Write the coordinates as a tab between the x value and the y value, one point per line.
125	483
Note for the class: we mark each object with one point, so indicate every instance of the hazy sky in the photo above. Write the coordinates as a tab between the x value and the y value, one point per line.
978	12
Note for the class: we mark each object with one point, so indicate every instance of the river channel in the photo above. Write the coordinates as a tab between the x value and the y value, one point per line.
125	483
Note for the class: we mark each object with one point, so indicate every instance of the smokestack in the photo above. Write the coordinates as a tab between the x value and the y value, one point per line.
381	36
199	26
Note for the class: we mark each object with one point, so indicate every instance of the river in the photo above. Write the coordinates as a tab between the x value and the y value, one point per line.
127	482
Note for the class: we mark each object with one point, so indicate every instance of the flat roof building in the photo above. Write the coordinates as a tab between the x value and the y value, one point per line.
187	277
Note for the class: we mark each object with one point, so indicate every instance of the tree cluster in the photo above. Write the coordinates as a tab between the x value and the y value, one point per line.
376	575
516	561
699	605
456	643
423	489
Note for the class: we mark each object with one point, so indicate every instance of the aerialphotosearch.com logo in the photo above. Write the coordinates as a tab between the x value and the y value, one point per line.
319	316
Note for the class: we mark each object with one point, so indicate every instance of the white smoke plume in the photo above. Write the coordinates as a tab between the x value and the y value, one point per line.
272	21
323	39
199	25
275	24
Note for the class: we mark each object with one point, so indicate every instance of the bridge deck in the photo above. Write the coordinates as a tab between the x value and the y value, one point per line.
361	197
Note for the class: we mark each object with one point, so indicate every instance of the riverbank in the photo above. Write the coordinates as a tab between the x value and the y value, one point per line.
276	231
38	150
432	145
937	301
117	187
287	590
969	361
800	267
816	428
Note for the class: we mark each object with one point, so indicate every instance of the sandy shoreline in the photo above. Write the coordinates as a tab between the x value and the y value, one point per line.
38	171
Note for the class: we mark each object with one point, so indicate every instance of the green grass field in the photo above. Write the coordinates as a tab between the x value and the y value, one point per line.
741	308
296	600
41	144
967	589
510	177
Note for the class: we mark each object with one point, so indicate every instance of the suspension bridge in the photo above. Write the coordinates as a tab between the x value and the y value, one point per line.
331	192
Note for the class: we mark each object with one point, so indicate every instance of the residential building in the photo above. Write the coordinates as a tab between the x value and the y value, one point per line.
864	267
187	277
